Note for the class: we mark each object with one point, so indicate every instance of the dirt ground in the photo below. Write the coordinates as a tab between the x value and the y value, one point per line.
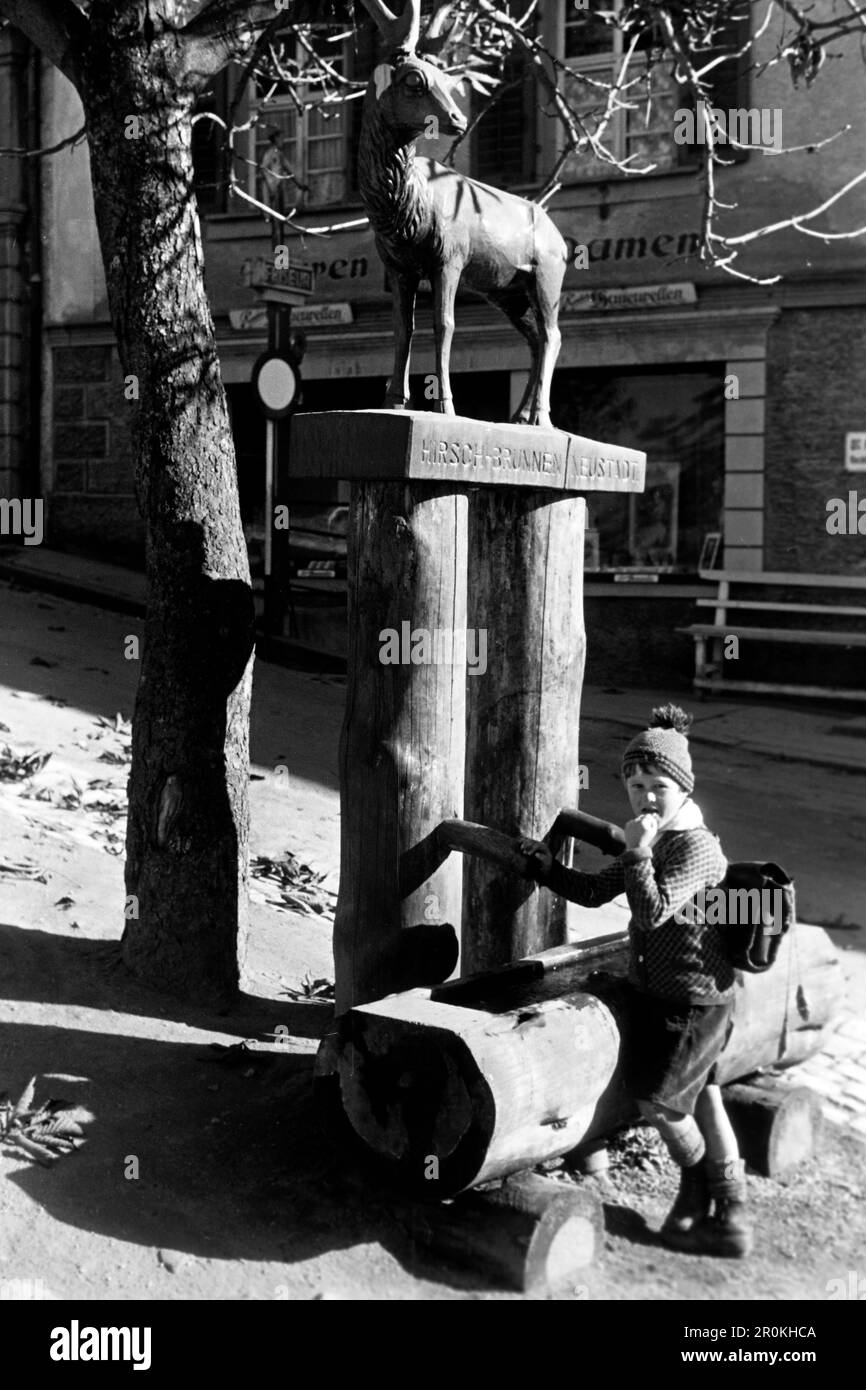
206	1174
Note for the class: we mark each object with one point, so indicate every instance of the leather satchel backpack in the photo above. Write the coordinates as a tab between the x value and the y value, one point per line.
753	937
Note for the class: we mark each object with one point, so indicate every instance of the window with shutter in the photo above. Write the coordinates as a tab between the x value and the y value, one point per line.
504	140
504	151
312	124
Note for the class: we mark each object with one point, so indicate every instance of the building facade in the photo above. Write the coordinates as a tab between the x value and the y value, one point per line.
743	395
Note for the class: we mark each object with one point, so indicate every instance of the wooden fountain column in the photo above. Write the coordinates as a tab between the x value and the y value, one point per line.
402	747
526	591
454	524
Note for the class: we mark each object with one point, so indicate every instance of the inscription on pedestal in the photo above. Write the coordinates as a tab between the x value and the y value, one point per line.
451	454
601	469
390	445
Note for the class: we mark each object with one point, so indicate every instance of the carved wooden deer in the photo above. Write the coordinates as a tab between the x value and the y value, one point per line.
434	223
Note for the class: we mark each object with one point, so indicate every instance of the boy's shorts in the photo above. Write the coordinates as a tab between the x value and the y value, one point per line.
671	1048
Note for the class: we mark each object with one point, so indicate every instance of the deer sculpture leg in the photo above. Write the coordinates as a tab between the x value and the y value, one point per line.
444	293
517	307
544	290
405	290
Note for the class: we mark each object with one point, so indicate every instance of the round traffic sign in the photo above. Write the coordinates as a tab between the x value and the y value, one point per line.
275	379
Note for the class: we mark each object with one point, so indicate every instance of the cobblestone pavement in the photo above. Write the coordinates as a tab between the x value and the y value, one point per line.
838	1074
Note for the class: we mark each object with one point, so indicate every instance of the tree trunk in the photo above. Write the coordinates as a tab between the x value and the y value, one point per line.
187	832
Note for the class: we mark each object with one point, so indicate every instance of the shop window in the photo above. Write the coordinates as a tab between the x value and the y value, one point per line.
676	416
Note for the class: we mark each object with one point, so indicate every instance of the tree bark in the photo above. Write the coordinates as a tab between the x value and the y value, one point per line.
188	820
526	592
403	739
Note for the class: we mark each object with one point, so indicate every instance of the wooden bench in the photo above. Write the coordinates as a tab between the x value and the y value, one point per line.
732	584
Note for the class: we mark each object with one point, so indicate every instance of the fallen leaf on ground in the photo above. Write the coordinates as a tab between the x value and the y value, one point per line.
302	889
43	1132
24	869
15	767
312	989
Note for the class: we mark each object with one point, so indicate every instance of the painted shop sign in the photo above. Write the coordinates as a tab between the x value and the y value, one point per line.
303	316
620	250
322	315
354	258
855	453
661	246
636	297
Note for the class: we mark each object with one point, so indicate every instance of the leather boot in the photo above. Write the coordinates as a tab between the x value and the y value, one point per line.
727	1231
691	1206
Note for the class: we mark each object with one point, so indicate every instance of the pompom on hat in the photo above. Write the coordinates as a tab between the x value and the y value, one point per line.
665	744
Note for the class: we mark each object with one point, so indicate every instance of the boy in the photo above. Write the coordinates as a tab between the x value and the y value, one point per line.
681	981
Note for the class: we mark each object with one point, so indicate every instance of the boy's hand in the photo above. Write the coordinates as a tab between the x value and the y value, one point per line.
640	832
540	857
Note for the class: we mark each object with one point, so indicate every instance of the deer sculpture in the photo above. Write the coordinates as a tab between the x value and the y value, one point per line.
434	223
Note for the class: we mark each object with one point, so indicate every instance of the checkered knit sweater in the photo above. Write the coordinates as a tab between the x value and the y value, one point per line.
684	962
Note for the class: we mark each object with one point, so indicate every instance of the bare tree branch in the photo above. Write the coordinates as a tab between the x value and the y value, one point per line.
69	141
796	221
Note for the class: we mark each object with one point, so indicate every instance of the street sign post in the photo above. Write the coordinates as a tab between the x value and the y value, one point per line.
275	382
286	285
276	379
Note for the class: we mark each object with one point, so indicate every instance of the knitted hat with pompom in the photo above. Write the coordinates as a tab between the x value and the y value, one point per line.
665	744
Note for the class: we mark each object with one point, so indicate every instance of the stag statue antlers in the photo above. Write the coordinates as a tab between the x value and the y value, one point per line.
436	224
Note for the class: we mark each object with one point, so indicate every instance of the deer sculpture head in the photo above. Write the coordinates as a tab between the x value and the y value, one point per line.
413	96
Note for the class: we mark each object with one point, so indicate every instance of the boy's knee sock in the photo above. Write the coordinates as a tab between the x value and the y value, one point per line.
685	1143
727	1178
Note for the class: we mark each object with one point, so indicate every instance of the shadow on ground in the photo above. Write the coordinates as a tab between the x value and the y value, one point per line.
197	1149
42	968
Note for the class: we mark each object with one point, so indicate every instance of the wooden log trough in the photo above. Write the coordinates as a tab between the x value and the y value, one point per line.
483	1077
